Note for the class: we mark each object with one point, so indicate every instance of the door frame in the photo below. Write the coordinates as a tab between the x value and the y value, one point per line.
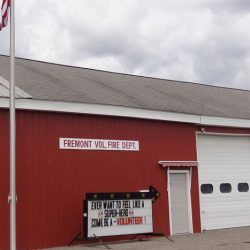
189	205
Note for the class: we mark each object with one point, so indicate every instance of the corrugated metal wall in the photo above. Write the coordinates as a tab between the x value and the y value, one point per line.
4	180
51	183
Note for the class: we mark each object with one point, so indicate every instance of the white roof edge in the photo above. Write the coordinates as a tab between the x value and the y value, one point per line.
19	92
109	110
225	122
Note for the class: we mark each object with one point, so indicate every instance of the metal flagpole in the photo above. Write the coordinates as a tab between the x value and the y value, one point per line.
12	195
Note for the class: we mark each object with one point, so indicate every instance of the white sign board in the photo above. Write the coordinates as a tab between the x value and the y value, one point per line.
119	217
98	144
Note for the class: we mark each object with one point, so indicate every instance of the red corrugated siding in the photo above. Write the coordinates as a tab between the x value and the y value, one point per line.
4	181
51	183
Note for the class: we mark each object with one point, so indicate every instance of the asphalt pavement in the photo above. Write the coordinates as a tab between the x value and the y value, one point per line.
223	239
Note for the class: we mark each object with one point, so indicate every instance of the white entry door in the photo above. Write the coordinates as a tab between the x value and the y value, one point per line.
179	203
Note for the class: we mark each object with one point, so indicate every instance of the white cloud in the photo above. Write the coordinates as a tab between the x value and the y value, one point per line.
203	41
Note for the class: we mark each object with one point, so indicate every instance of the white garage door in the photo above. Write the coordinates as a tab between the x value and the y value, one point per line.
224	178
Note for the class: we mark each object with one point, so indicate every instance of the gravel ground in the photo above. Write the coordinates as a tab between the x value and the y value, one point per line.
223	239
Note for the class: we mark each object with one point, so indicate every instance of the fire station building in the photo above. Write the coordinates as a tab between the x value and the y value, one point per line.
80	130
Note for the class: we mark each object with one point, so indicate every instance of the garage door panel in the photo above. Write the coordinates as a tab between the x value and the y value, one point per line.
216	224
224	159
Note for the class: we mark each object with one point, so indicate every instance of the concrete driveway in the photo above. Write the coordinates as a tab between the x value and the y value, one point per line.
223	239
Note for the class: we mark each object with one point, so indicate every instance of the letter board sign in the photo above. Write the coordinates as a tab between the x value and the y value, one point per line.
109	214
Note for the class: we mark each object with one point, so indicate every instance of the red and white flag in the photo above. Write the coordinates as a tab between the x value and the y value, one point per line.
4	13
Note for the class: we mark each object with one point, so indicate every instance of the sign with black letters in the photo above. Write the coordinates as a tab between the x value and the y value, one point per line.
109	214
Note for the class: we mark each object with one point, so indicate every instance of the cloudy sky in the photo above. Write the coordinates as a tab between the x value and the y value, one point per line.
205	41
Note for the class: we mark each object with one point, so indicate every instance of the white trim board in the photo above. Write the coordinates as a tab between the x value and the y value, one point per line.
119	111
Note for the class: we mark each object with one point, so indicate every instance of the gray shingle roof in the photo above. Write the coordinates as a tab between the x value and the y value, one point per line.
47	81
4	90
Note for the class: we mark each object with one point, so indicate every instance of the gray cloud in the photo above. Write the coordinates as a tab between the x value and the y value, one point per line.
202	41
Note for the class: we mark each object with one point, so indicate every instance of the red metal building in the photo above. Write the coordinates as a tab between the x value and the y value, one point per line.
172	122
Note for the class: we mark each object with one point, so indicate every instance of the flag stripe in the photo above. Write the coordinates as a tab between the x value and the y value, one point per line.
4	7
4	13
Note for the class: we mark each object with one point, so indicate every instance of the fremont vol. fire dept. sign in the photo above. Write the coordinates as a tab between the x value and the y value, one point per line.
98	144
